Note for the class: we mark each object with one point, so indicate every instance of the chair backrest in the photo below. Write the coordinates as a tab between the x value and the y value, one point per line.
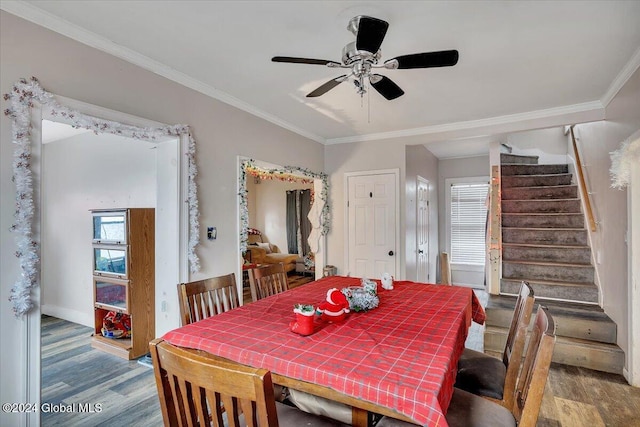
267	280
206	298
196	388
514	347
535	370
445	268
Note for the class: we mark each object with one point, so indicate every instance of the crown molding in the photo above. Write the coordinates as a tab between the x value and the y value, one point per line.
587	107
47	20
622	78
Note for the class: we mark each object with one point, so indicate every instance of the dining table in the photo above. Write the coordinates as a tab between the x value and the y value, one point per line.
398	359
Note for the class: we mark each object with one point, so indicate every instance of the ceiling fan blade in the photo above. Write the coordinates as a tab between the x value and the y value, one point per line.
371	32
444	58
327	87
302	60
386	87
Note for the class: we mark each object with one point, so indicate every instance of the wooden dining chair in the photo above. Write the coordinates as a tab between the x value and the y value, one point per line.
193	386
445	268
205	298
267	280
469	410
494	378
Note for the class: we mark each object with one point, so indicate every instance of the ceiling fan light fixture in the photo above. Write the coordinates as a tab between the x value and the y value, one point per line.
362	55
375	78
391	64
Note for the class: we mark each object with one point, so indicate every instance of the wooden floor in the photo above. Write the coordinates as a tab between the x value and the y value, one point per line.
73	372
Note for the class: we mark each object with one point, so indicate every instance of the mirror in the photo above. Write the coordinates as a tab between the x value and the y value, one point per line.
319	211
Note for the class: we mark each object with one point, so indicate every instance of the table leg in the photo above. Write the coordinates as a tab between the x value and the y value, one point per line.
359	417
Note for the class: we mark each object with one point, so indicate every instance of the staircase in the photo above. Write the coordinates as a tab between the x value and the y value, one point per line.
544	242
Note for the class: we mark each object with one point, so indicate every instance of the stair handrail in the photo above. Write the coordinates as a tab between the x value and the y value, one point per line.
583	184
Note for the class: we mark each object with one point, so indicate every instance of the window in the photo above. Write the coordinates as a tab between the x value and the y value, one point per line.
467	222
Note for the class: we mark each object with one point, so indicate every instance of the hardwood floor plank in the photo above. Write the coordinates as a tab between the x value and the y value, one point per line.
607	392
548	409
578	414
565	383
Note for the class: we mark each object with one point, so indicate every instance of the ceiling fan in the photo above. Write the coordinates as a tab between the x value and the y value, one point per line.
362	57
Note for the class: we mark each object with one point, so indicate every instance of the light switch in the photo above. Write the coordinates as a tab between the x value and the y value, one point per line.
212	233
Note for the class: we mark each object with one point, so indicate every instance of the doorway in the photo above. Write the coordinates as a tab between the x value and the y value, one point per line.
372	223
81	172
164	170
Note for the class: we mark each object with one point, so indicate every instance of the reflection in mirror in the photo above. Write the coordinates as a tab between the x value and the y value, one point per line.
109	228
320	223
318	216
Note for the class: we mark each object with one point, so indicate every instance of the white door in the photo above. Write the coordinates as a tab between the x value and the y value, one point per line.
372	225
422	230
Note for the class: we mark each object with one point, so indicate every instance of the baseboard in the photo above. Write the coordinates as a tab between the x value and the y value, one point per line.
67	314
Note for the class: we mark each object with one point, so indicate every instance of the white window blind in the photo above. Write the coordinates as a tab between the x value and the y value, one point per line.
468	222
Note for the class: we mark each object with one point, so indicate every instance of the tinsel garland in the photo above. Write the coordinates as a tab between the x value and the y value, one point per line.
362	298
286	173
24	95
622	159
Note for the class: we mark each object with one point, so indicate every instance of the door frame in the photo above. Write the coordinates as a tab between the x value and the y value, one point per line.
424	180
30	328
632	371
396	174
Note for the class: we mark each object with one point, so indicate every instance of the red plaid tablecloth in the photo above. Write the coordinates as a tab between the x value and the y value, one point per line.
401	355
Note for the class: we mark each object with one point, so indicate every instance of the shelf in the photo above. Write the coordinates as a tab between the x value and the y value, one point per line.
120	347
124	277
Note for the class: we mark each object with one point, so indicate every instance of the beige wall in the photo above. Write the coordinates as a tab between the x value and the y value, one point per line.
223	133
85	172
550	145
357	157
596	142
421	162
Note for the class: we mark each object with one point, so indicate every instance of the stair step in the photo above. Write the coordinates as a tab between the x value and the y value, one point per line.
543	220
546	236
518	159
533	169
509	181
551	253
553	271
541	192
588	322
542	206
569	351
545	289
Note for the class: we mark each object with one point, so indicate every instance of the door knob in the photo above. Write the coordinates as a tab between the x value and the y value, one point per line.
420	251
390	253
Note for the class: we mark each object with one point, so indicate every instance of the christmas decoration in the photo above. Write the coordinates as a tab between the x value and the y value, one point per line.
303	324
622	159
24	95
335	308
362	298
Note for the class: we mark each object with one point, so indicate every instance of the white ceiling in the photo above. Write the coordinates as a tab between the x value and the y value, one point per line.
517	58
